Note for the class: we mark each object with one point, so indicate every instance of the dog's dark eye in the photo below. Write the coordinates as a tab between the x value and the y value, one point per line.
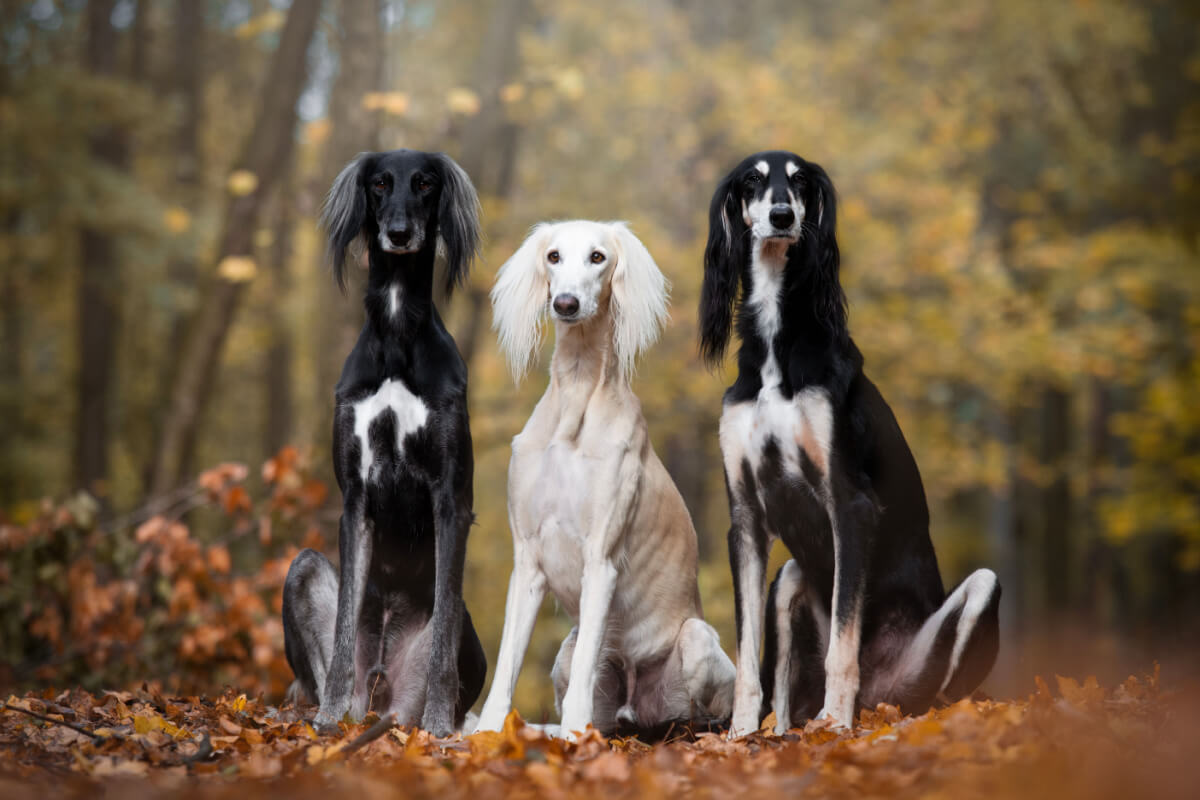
753	177
424	185
552	256
380	185
597	257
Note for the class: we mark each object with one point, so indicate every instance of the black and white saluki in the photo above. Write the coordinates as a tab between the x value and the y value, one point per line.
389	630
813	455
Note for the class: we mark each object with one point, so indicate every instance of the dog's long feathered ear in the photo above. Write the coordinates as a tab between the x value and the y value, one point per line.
822	246
639	294
344	213
458	221
519	301
723	259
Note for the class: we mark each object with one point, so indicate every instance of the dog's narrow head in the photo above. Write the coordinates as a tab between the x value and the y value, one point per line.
403	201
575	271
773	200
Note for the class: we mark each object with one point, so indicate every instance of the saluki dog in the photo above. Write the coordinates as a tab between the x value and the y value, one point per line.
595	517
389	631
814	455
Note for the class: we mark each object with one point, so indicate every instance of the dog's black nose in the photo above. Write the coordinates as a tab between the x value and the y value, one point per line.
566	305
782	216
400	236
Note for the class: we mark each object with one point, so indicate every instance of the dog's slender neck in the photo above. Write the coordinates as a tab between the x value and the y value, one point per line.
399	295
787	304
584	354
584	368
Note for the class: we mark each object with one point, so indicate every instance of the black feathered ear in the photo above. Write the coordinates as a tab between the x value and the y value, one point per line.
822	247
724	256
345	213
458	221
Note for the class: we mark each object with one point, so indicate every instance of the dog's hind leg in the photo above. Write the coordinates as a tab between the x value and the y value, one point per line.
472	669
310	597
951	653
610	689
797	633
708	674
626	714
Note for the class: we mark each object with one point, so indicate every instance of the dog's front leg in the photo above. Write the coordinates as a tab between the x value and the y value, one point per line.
526	590
452	520
599	582
748	560
354	552
850	522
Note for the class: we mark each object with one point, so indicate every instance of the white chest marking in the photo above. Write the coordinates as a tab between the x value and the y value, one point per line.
410	412
802	424
394	300
764	299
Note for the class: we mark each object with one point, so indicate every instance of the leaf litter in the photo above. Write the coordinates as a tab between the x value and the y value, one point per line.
1076	740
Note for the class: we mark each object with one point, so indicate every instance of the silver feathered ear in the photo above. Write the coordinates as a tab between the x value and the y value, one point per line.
458	221
344	214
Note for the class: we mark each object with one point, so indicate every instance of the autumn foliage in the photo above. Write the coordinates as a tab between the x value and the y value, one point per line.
195	605
1082	740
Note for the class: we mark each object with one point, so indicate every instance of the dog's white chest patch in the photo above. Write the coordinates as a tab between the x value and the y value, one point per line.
801	425
411	415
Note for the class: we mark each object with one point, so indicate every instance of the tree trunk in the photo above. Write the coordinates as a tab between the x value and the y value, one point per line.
187	86
12	347
489	148
266	156
355	129
1056	499
278	416
1004	536
99	286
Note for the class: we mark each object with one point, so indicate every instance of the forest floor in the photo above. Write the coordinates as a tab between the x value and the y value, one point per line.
1075	740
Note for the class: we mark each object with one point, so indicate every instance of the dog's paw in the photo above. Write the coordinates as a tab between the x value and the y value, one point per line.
438	725
326	723
548	728
488	721
743	724
838	720
571	729
627	716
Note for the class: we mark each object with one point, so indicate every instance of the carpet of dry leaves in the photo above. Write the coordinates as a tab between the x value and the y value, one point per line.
1075	740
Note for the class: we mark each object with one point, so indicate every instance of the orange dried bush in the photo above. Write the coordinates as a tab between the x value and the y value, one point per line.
187	594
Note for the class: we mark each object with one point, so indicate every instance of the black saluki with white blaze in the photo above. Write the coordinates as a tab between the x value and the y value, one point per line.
595	517
813	455
388	631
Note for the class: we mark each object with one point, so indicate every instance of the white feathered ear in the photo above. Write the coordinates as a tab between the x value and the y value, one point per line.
519	301
639	297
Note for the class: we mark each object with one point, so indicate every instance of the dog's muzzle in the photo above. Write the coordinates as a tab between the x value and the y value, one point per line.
783	220
566	307
399	240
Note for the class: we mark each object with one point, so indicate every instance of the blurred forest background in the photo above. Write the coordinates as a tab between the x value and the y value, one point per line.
1020	199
